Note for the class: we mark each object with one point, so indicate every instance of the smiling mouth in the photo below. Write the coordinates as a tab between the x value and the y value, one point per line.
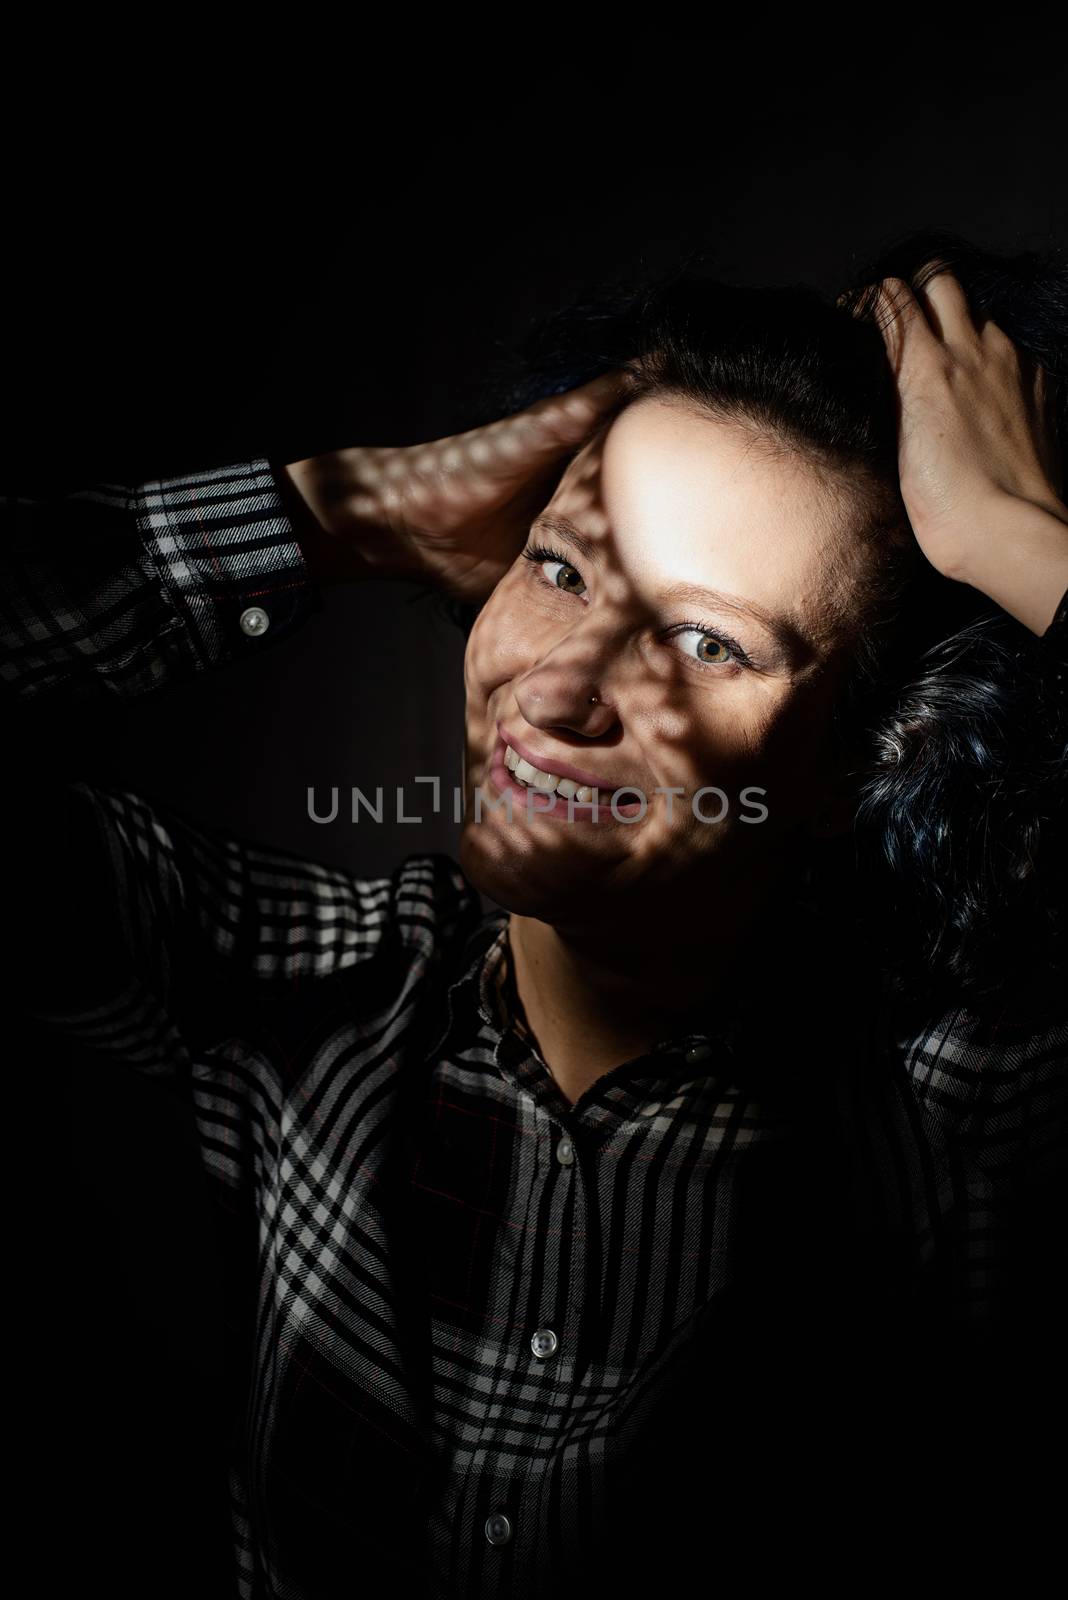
557	797
556	776
550	783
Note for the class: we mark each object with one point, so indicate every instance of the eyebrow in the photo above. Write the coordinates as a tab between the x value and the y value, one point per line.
795	645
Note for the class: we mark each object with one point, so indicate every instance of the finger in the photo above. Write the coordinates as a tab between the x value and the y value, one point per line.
572	414
1038	389
948	310
901	320
549	427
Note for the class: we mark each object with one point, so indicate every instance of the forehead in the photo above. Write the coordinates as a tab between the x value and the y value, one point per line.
682	498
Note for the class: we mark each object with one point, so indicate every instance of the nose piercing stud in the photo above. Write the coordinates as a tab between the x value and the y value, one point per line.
593	699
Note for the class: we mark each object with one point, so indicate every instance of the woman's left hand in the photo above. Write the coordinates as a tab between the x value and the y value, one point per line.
975	454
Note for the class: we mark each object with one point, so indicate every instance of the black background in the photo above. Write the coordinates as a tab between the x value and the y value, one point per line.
304	239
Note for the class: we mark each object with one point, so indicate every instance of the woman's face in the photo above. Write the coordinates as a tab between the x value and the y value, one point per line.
701	588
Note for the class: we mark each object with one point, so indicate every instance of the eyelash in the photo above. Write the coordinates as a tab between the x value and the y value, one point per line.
538	553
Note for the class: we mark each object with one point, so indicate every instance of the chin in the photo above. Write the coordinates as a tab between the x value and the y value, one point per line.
493	874
518	882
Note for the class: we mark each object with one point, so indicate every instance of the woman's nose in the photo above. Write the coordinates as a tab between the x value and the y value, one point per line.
554	695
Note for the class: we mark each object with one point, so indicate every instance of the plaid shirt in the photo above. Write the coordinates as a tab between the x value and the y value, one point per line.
486	1342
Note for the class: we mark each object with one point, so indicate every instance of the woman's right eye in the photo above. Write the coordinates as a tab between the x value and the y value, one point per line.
561	574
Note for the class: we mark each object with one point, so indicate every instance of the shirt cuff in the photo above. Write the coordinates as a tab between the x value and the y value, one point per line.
226	552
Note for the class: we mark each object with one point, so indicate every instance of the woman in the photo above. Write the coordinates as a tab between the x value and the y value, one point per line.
571	1224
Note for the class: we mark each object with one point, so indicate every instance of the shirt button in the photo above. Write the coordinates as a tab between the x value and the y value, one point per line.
543	1343
254	620
565	1152
698	1052
498	1528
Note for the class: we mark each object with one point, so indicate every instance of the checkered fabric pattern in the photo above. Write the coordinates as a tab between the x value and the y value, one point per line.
495	1343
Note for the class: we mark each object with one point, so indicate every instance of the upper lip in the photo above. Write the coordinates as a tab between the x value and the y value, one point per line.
559	769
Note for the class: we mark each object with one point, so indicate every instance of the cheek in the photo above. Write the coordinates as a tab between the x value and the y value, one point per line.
796	741
735	743
502	644
719	737
787	763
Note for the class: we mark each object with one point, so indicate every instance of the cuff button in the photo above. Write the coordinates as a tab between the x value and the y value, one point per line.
253	621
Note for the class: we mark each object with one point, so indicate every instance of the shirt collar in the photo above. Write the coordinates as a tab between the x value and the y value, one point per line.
491	971
483	984
464	990
758	1040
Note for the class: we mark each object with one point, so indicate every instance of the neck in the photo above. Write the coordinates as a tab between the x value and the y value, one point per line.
593	1000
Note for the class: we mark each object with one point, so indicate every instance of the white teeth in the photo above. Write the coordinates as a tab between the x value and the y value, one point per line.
548	781
534	777
528	774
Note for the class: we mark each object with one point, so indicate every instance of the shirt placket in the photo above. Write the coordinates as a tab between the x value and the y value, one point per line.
513	1514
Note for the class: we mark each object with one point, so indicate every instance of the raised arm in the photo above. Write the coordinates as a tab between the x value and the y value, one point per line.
146	937
977	454
115	591
984	488
140	935
118	590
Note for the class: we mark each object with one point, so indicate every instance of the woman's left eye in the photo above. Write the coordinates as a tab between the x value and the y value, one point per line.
706	647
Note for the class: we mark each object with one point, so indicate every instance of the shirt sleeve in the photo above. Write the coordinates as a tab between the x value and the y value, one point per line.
993	1096
117	590
208	961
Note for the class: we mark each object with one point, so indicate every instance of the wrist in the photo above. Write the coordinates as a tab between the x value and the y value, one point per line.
319	549
1020	559
334	519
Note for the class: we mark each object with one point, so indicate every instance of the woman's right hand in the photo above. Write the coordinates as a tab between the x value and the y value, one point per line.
453	512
